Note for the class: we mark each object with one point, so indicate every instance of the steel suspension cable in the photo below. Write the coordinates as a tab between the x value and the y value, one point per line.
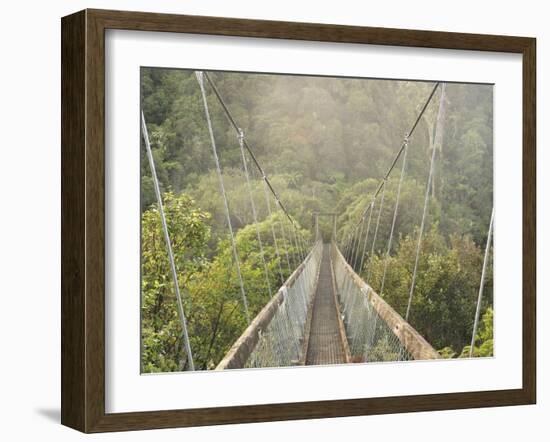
246	145
317	231
482	282
402	148
297	245
426	200
301	241
376	232
345	240
254	213
271	222
354	243
342	239
371	209
295	256
408	136
286	245
168	242
305	269
405	143
224	195
348	242
357	245
351	239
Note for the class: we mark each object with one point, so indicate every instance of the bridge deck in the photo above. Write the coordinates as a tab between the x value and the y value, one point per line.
325	344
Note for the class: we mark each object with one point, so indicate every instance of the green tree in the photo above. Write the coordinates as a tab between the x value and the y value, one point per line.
162	345
483	346
445	294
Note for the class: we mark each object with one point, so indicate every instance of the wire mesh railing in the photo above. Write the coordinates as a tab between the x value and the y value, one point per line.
275	338
374	330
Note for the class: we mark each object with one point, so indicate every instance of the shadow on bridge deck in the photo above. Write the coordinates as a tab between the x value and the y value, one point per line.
325	344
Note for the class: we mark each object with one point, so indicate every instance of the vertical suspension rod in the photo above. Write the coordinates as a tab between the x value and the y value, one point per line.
482	282
222	188
168	242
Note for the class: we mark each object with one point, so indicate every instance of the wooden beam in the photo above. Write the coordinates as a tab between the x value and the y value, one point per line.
341	326
239	353
413	341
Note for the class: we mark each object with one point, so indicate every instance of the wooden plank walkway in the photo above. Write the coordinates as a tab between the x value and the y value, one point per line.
325	345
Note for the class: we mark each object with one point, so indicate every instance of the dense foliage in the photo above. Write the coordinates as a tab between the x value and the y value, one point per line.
325	143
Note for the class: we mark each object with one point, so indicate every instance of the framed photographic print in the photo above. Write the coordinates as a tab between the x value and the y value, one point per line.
270	220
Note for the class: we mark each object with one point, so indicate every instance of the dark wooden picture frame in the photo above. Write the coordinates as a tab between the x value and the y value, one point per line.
83	219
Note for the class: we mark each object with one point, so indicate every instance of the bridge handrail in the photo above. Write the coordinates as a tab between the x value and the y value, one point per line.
238	354
413	341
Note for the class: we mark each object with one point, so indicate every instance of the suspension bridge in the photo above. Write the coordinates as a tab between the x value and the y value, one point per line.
324	312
